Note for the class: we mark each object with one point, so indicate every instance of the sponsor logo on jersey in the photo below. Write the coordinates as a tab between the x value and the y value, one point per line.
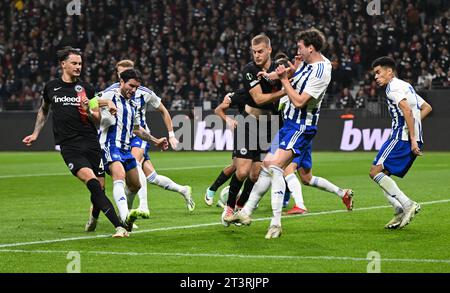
249	76
66	99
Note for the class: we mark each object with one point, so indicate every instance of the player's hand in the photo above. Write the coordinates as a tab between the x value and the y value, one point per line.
232	124
162	143
112	107
415	149
282	72
273	75
173	142
28	140
227	98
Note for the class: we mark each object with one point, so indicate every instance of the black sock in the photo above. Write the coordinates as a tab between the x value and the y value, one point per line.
96	210
221	179
99	200
248	186
235	186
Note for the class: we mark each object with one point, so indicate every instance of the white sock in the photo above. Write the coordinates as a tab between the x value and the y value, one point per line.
166	183
259	189
296	190
130	197
394	202
142	193
278	188
326	185
391	188
120	198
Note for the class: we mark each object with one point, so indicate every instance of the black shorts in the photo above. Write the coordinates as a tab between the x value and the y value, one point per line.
81	154
247	141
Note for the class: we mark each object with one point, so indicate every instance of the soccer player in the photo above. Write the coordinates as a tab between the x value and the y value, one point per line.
115	140
262	95
139	148
398	153
301	113
74	111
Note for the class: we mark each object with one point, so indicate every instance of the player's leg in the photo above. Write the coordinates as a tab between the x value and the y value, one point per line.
139	153
395	158
243	166
223	177
249	183
279	161
117	172
295	188
98	197
86	164
323	184
165	182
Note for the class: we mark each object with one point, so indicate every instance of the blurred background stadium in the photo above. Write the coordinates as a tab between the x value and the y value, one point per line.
191	52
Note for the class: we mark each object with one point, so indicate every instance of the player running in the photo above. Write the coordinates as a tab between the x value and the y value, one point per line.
74	111
115	140
405	142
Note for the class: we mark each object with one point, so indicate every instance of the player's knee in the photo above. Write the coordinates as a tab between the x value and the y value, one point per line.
241	174
373	172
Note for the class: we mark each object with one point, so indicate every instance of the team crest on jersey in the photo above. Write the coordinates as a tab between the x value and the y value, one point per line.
78	88
70	165
249	76
243	151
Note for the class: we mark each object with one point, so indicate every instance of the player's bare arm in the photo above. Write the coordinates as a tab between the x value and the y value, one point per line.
409	119
298	100
108	103
260	98
40	122
220	111
169	125
143	134
425	110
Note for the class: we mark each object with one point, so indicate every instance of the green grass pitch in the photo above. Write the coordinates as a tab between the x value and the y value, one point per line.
44	209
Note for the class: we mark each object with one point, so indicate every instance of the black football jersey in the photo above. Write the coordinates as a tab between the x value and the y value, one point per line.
251	79
69	118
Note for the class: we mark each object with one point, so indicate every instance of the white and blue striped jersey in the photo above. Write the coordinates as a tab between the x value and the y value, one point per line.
396	91
119	132
312	79
143	98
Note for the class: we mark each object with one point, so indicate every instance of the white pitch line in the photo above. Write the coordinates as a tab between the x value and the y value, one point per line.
68	173
201	225
244	256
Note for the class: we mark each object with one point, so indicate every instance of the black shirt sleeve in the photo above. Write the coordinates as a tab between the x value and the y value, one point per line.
250	77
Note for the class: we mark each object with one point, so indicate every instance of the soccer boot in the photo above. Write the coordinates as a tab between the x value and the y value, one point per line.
409	212
296	211
395	222
273	232
131	218
227	216
91	223
209	197
241	217
143	213
190	204
121	232
347	199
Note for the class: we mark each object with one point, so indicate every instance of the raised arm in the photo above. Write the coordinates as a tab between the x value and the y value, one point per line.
169	125
298	100
143	134
220	111
425	110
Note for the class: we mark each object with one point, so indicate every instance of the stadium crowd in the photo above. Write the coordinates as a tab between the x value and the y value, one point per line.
191	52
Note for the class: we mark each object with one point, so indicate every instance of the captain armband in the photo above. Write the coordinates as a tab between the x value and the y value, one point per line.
93	103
